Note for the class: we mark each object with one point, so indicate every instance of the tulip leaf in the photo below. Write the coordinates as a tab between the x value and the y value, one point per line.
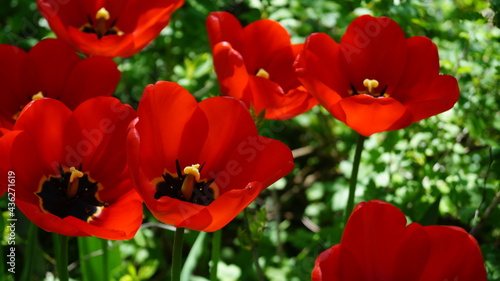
92	259
193	257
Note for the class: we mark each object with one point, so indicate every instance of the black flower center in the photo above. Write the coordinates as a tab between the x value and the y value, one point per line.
187	186
71	194
99	27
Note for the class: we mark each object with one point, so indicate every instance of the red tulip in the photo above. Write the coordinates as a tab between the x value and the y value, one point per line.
196	165
377	245
108	28
375	79
51	69
255	64
71	176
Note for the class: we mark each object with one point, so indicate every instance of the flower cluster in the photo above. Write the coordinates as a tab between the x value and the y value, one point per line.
85	162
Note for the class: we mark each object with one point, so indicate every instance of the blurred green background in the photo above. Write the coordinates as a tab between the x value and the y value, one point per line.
443	170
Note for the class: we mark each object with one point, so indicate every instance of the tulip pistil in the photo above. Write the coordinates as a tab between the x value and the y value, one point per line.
73	182
72	193
191	176
36	96
370	86
186	185
262	73
100	28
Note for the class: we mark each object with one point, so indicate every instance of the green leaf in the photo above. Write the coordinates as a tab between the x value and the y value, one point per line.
194	254
92	261
148	269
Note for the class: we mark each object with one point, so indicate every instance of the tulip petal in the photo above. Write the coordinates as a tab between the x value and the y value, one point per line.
368	115
123	216
107	46
224	27
92	77
326	266
231	72
97	133
52	59
46	130
221	211
371	236
6	140
319	71
257	159
293	103
455	255
439	96
263	40
373	48
240	125
422	66
12	59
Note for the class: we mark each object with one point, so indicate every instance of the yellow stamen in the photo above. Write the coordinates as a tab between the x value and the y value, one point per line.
102	16
192	175
36	96
263	73
370	85
73	182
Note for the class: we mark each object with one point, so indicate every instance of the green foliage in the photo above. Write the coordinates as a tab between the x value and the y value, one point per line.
443	170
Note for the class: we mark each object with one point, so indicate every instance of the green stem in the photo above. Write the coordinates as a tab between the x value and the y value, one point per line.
30	252
216	240
61	253
105	255
354	176
177	254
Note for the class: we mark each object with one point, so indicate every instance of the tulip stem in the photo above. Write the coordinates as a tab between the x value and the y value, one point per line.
30	252
354	176
216	241
61	254
105	254
177	254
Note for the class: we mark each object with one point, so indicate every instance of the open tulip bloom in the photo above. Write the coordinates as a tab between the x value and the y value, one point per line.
54	70
197	165
255	64
71	176
377	245
111	28
376	79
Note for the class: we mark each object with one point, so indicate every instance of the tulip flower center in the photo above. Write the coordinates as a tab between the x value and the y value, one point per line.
100	26
72	193
262	73
187	186
370	89
36	96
